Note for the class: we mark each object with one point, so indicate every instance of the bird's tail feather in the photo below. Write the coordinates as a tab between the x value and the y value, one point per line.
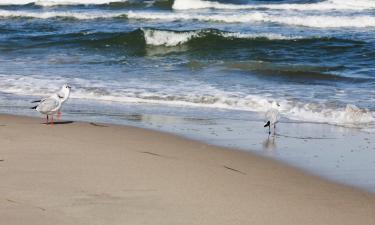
34	107
267	124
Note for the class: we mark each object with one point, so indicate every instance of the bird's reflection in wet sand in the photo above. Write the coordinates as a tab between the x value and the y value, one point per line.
269	145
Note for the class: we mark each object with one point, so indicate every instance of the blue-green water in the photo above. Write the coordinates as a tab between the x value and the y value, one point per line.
221	61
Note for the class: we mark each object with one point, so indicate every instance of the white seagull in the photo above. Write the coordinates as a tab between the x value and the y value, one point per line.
272	117
49	106
63	94
52	105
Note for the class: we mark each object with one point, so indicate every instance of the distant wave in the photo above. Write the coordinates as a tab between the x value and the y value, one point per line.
108	4
200	4
322	5
58	2
57	14
191	94
317	21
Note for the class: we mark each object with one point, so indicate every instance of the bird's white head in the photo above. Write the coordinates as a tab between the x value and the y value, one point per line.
64	92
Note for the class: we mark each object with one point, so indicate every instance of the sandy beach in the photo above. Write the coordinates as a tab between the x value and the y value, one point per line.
88	173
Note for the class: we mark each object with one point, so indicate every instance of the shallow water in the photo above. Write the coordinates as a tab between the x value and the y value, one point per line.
344	155
207	70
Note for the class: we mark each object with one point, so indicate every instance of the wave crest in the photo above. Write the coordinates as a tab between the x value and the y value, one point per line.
174	38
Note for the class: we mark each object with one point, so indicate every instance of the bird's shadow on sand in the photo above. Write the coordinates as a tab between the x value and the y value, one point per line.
59	123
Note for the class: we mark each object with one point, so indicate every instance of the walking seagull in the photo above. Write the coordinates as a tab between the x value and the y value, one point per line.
63	94
272	117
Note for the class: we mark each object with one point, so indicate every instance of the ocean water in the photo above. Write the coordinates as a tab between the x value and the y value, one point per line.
207	70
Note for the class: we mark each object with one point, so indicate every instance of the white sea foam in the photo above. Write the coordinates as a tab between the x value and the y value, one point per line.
174	38
167	38
317	6
54	14
317	21
199	4
191	94
58	2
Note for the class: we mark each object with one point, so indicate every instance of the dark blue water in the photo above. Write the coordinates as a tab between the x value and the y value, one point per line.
203	68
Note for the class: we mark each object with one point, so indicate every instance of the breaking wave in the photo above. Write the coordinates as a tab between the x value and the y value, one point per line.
174	38
316	21
201	4
200	40
188	94
59	14
316	6
58	2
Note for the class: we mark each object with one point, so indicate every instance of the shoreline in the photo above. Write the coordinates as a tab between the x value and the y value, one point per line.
294	146
114	174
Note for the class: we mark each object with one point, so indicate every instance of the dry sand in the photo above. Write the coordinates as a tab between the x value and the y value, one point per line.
82	173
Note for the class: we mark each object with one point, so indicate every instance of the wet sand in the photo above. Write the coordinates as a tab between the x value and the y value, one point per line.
91	173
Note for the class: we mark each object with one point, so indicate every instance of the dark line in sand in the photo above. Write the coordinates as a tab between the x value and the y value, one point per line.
98	125
59	123
151	153
305	138
9	200
158	155
238	171
12	201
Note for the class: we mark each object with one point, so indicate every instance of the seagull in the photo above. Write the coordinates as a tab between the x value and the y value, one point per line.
63	94
49	106
272	117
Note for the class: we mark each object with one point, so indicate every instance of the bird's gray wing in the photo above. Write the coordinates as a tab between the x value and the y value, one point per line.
40	100
48	105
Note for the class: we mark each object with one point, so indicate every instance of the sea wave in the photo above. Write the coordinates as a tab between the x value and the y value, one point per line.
173	38
147	40
188	94
201	4
57	14
295	72
58	2
316	21
315	6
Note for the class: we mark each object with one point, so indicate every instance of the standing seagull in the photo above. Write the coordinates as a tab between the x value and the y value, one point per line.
49	106
272	117
63	94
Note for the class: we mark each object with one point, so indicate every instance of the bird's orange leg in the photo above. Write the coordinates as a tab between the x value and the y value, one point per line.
52	119
59	114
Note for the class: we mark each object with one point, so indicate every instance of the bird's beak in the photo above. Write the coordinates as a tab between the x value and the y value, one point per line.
69	87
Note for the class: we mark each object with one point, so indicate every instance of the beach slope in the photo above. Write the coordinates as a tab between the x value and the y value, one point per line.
86	173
